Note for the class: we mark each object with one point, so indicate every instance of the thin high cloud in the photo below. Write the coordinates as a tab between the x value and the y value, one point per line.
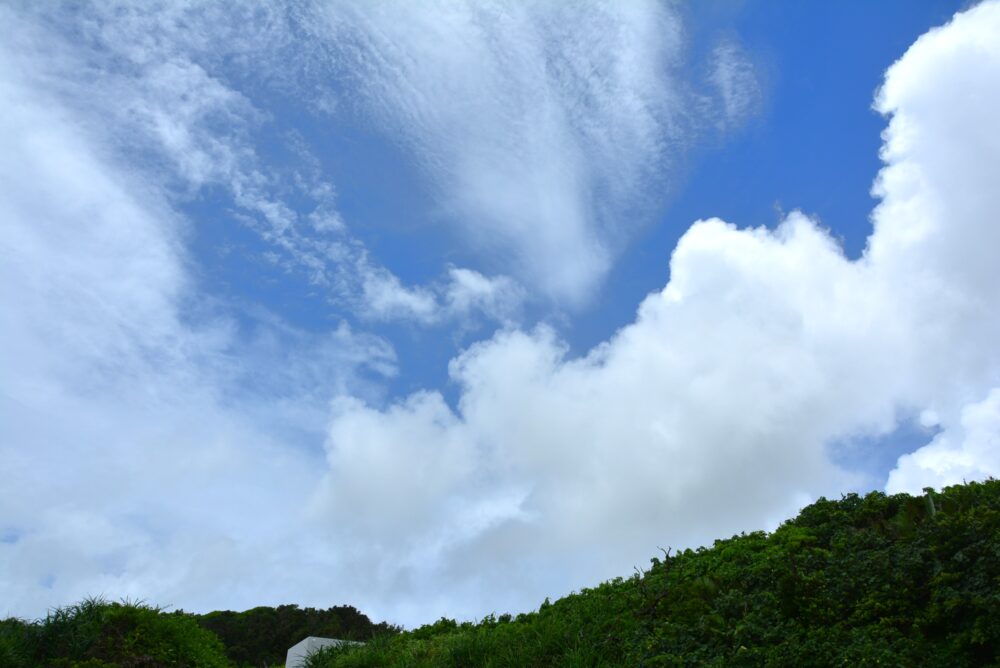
549	130
547	135
171	90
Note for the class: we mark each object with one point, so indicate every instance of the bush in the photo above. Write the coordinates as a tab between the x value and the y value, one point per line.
99	634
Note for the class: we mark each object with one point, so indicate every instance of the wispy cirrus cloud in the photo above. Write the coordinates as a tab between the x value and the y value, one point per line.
174	89
547	134
548	130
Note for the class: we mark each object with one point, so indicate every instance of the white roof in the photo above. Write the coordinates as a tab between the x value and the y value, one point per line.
297	653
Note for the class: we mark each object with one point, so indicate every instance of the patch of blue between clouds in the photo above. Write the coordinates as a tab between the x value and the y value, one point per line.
233	265
874	457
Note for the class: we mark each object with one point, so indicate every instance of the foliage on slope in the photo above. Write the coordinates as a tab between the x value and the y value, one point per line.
863	581
99	634
261	636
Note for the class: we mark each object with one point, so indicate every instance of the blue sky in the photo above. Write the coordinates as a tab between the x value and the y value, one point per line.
440	309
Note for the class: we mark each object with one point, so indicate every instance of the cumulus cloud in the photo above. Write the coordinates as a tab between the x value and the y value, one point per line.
969	450
720	407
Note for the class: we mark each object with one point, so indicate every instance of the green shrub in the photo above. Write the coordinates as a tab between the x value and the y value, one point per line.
99	634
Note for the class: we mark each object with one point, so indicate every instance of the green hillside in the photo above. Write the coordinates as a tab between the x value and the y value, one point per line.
863	581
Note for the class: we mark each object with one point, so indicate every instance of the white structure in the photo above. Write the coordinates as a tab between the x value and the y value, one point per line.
296	657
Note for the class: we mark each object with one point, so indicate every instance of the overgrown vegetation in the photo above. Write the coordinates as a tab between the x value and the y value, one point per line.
99	634
863	581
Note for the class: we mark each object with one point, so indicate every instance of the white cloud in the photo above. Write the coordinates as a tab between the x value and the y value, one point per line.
464	298
547	133
385	297
468	291
717	409
145	432
156	443
967	451
156	84
735	81
543	126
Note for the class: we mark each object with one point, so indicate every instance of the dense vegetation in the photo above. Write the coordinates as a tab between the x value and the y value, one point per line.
98	634
261	636
863	581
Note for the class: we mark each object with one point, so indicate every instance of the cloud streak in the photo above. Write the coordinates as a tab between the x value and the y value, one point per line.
173	89
545	129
